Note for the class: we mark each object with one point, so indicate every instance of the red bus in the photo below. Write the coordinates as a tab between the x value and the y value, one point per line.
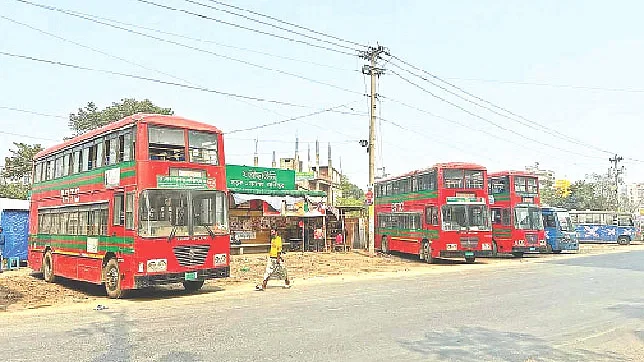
440	212
517	224
137	203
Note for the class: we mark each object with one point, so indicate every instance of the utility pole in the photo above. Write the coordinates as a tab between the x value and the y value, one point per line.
617	171
373	54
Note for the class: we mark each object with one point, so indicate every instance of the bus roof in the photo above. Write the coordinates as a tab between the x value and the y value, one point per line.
511	173
462	165
157	119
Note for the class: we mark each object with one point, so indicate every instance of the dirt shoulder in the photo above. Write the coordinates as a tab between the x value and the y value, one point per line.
21	289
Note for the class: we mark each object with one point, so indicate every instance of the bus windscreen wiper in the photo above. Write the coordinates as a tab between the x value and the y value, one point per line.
212	233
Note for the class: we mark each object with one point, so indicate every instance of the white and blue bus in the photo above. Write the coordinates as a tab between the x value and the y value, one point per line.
560	231
605	227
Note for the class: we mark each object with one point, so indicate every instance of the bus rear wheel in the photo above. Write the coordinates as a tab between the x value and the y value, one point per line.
427	253
48	268
383	245
518	255
470	259
192	285
113	279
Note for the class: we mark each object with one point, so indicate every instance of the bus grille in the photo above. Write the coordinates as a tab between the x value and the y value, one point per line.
531	239
469	242
191	255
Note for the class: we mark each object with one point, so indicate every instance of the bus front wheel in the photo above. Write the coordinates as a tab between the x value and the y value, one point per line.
383	245
113	279
192	285
48	268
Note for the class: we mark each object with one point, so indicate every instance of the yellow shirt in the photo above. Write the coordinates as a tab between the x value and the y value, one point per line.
276	246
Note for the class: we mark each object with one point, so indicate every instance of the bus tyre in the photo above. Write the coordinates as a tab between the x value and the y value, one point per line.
113	279
383	245
48	267
427	253
470	260
518	255
623	240
192	285
556	251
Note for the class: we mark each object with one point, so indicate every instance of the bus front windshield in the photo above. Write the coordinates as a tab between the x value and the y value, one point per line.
458	217
528	218
165	213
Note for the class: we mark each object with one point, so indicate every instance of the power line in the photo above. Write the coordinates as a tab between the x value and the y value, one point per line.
153	80
33	112
28	136
202	16
553	85
485	119
182	36
286	120
201	50
288	23
517	118
268	24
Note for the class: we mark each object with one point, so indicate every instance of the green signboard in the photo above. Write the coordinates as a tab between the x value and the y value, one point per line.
259	178
183	182
304	175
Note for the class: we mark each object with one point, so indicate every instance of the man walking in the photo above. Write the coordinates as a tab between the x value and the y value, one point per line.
1	248
275	267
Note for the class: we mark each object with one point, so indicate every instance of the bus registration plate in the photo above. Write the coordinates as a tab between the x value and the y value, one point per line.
469	253
191	276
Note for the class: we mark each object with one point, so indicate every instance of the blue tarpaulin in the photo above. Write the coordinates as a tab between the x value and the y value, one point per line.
15	226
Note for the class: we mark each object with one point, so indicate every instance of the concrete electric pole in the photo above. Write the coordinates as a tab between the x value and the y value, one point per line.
373	54
617	171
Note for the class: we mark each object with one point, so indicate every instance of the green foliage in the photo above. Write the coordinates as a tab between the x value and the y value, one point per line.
16	167
582	196
15	191
20	163
89	117
352	195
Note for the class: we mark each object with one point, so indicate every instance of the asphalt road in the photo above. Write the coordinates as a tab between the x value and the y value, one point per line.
575	309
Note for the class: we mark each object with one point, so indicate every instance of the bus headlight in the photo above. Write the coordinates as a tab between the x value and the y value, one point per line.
542	242
486	246
519	242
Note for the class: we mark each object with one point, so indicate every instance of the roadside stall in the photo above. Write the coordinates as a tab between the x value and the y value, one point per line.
264	198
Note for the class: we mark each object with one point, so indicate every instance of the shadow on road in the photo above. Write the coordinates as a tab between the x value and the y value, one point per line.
621	261
482	344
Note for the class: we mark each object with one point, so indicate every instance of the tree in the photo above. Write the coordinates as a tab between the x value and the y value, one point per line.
16	167
352	195
89	117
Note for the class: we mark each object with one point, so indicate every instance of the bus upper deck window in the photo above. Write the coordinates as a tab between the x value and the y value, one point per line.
166	144
203	147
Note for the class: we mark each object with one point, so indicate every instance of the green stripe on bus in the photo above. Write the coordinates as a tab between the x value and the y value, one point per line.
61	182
418	195
127	173
124	240
432	234
83	249
501	197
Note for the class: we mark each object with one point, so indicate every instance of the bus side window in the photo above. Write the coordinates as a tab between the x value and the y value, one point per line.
431	215
118	209
496	215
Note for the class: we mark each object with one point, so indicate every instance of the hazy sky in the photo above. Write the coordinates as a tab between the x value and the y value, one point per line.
477	45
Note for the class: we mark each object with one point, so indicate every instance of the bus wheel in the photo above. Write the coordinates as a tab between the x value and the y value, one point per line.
113	279
470	259
623	240
556	251
192	285
427	253
383	245
48	268
518	255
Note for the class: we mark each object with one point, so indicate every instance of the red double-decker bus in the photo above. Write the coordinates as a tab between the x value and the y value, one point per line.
517	224
440	212
137	203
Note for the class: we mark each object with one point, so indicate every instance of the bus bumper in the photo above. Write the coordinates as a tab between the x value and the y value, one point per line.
460	254
530	249
144	281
